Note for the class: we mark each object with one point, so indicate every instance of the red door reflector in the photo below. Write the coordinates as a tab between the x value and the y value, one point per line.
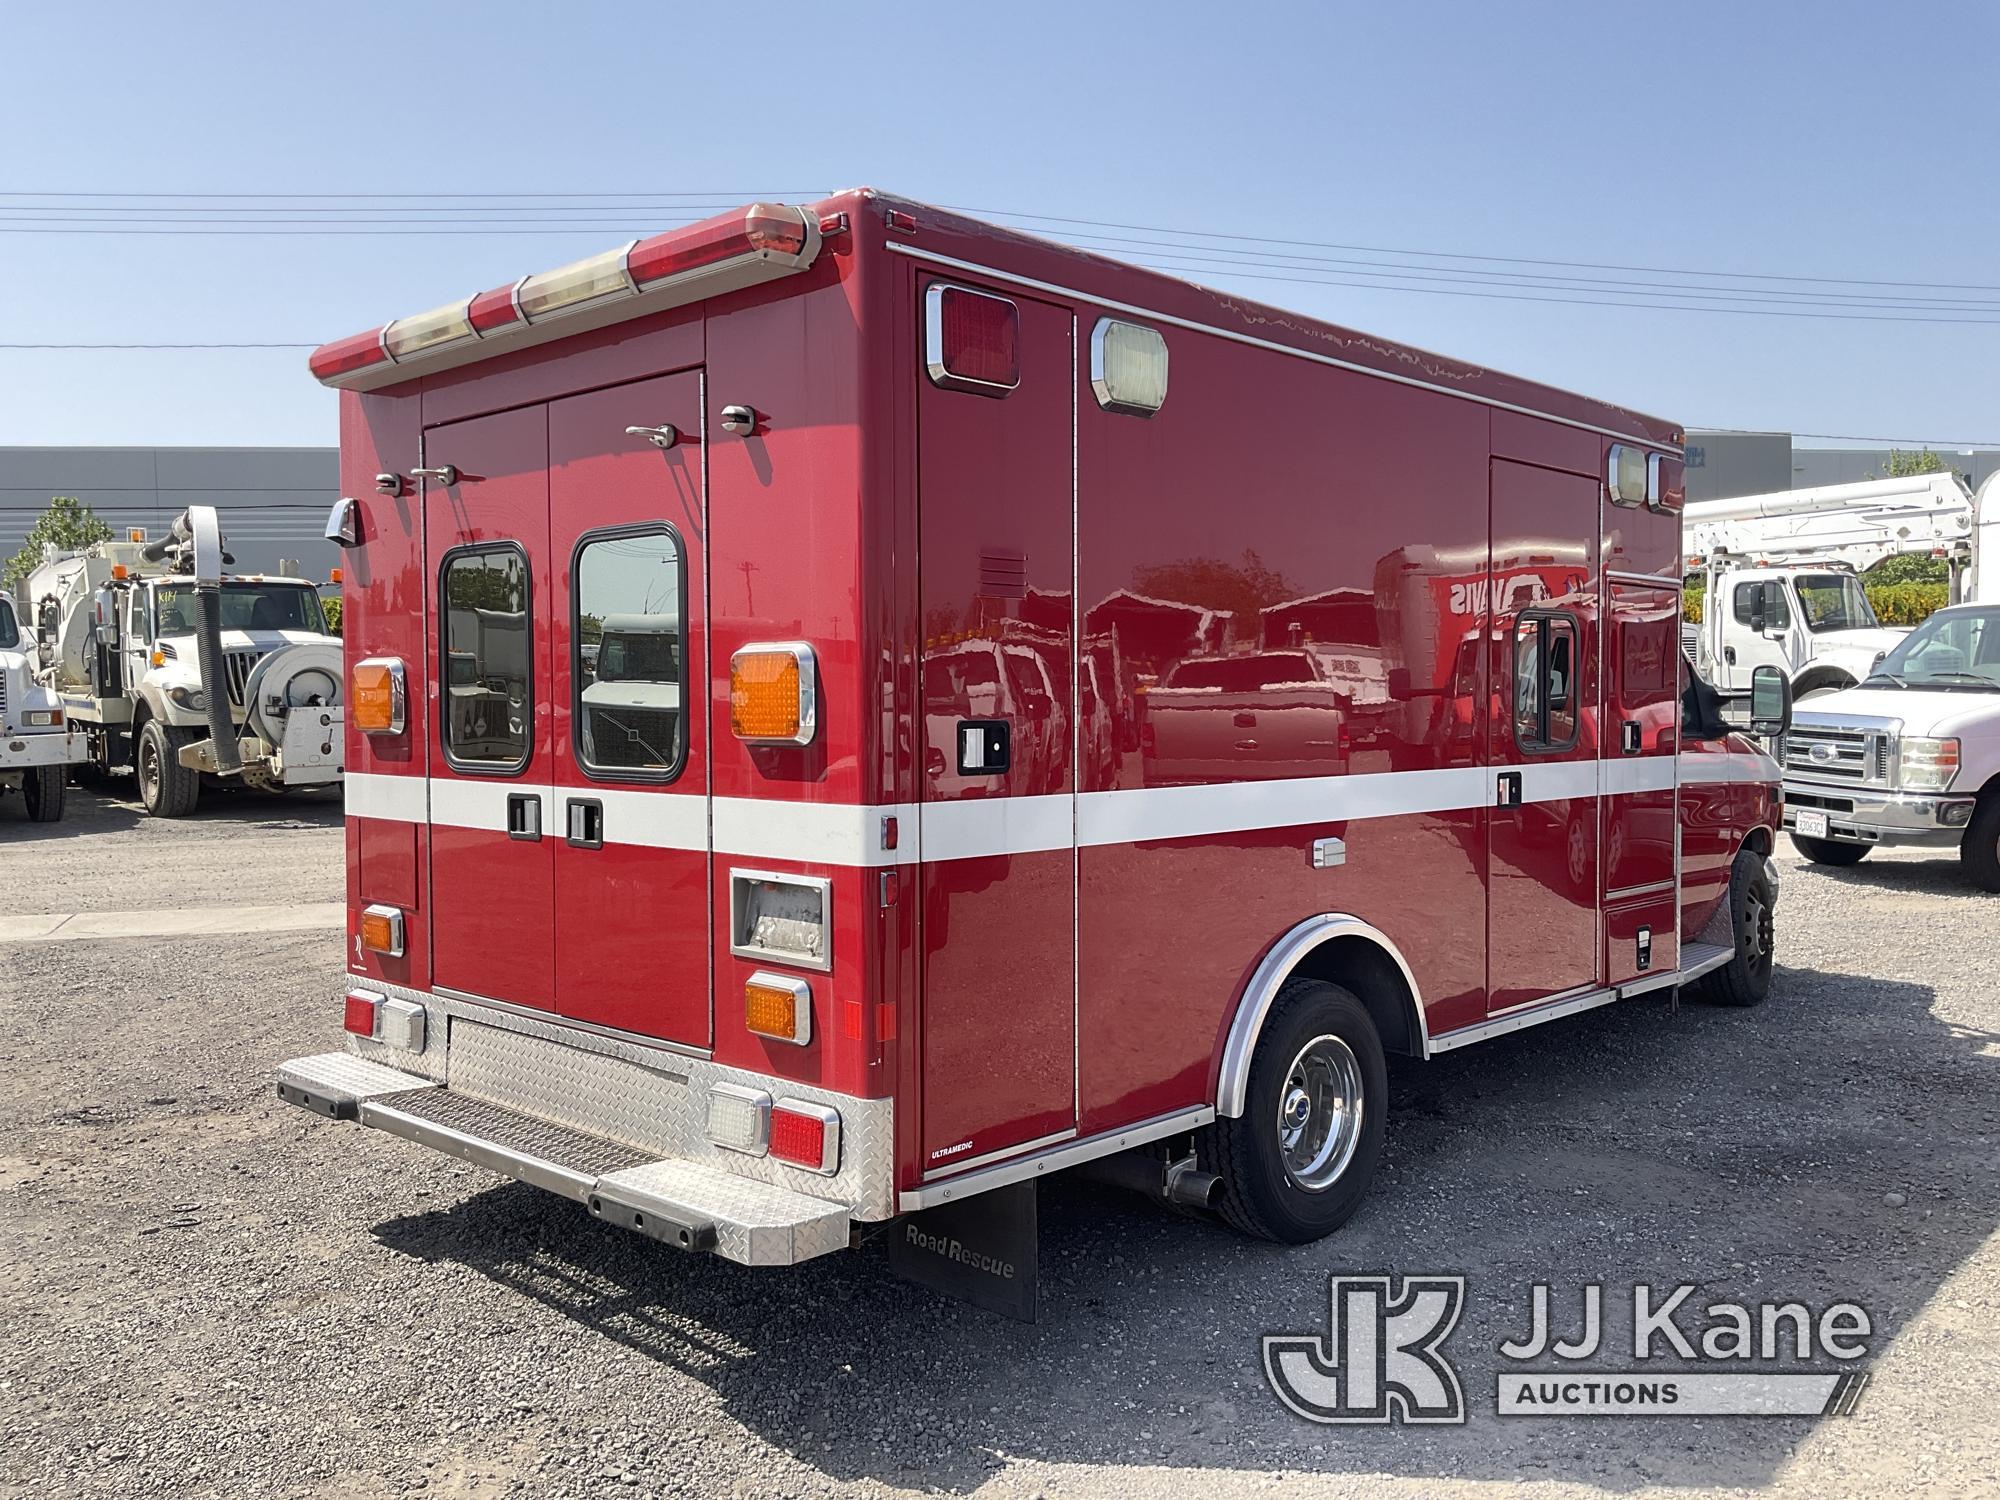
974	340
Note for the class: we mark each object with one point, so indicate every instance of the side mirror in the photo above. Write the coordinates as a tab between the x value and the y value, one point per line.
1772	600
1770	701
1399	684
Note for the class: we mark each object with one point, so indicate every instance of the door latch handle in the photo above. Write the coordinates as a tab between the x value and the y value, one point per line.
586	823
663	436
444	474
1509	794
524	816
1630	737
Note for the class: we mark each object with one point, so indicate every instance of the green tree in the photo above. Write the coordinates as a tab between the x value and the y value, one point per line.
69	523
1908	567
1902	465
1240	589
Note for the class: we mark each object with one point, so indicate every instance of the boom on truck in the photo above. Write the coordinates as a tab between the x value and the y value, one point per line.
756	827
1782	574
170	666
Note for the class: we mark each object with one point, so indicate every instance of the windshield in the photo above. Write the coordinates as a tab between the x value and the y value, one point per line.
10	630
245	606
1835	601
1958	648
649	657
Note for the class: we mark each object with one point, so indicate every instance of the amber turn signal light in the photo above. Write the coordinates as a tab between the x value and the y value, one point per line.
772	694
382	930
778	1007
378	695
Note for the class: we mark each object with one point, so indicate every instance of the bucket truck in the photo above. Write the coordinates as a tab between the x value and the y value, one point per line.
1783	572
169	665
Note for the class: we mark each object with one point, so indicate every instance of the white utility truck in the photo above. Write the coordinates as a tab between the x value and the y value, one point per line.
1911	756
37	746
1783	572
137	636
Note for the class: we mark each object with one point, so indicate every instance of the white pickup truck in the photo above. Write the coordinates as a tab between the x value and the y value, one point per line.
1910	756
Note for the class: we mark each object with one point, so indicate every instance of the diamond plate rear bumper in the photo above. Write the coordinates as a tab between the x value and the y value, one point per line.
693	1205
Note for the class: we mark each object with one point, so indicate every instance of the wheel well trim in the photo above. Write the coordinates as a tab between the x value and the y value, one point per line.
1233	1078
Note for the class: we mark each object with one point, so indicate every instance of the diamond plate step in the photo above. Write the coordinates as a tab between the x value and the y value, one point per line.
689	1204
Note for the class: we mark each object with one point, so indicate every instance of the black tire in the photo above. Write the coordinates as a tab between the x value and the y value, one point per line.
167	788
1830	851
1260	1194
42	793
1746	978
1979	850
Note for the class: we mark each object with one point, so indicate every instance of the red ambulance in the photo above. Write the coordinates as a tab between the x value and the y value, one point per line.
759	638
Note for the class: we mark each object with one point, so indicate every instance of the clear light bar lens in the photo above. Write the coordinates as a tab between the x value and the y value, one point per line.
426	330
575	284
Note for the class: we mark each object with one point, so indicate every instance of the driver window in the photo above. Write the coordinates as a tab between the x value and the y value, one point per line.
1744	604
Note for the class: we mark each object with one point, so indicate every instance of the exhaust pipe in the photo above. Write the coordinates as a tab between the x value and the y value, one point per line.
1178	1182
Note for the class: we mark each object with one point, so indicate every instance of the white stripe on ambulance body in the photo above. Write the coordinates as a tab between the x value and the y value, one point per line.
850	834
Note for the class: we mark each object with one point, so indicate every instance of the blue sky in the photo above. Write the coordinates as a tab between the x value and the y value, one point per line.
1830	140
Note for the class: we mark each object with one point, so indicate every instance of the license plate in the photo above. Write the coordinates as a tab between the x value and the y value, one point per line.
1812	824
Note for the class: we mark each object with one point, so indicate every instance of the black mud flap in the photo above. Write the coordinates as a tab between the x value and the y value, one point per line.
984	1250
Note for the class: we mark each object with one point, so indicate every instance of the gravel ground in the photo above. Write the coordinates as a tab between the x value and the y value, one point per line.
207	1293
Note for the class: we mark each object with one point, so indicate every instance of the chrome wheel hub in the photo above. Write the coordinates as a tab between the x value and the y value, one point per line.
1320	1112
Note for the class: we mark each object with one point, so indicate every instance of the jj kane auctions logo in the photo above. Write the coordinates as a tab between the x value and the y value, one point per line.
1383	1360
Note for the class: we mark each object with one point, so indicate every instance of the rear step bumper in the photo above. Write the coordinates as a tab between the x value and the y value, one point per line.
690	1205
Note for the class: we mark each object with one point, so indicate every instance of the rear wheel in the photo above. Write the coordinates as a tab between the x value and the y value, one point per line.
1299	1160
42	793
1979	850
1746	978
1829	851
167	788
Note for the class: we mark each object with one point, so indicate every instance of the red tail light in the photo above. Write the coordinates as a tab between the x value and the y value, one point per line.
360	1016
806	1135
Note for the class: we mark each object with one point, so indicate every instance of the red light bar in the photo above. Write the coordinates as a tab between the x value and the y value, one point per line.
739	249
497	308
344	356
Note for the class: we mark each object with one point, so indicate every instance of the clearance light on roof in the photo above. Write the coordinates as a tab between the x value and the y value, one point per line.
742	248
972	341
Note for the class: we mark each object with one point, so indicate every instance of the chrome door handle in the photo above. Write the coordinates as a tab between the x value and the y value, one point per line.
444	474
663	436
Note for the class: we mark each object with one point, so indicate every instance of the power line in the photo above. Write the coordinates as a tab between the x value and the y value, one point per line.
571	202
1750	312
1452	277
1517	260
